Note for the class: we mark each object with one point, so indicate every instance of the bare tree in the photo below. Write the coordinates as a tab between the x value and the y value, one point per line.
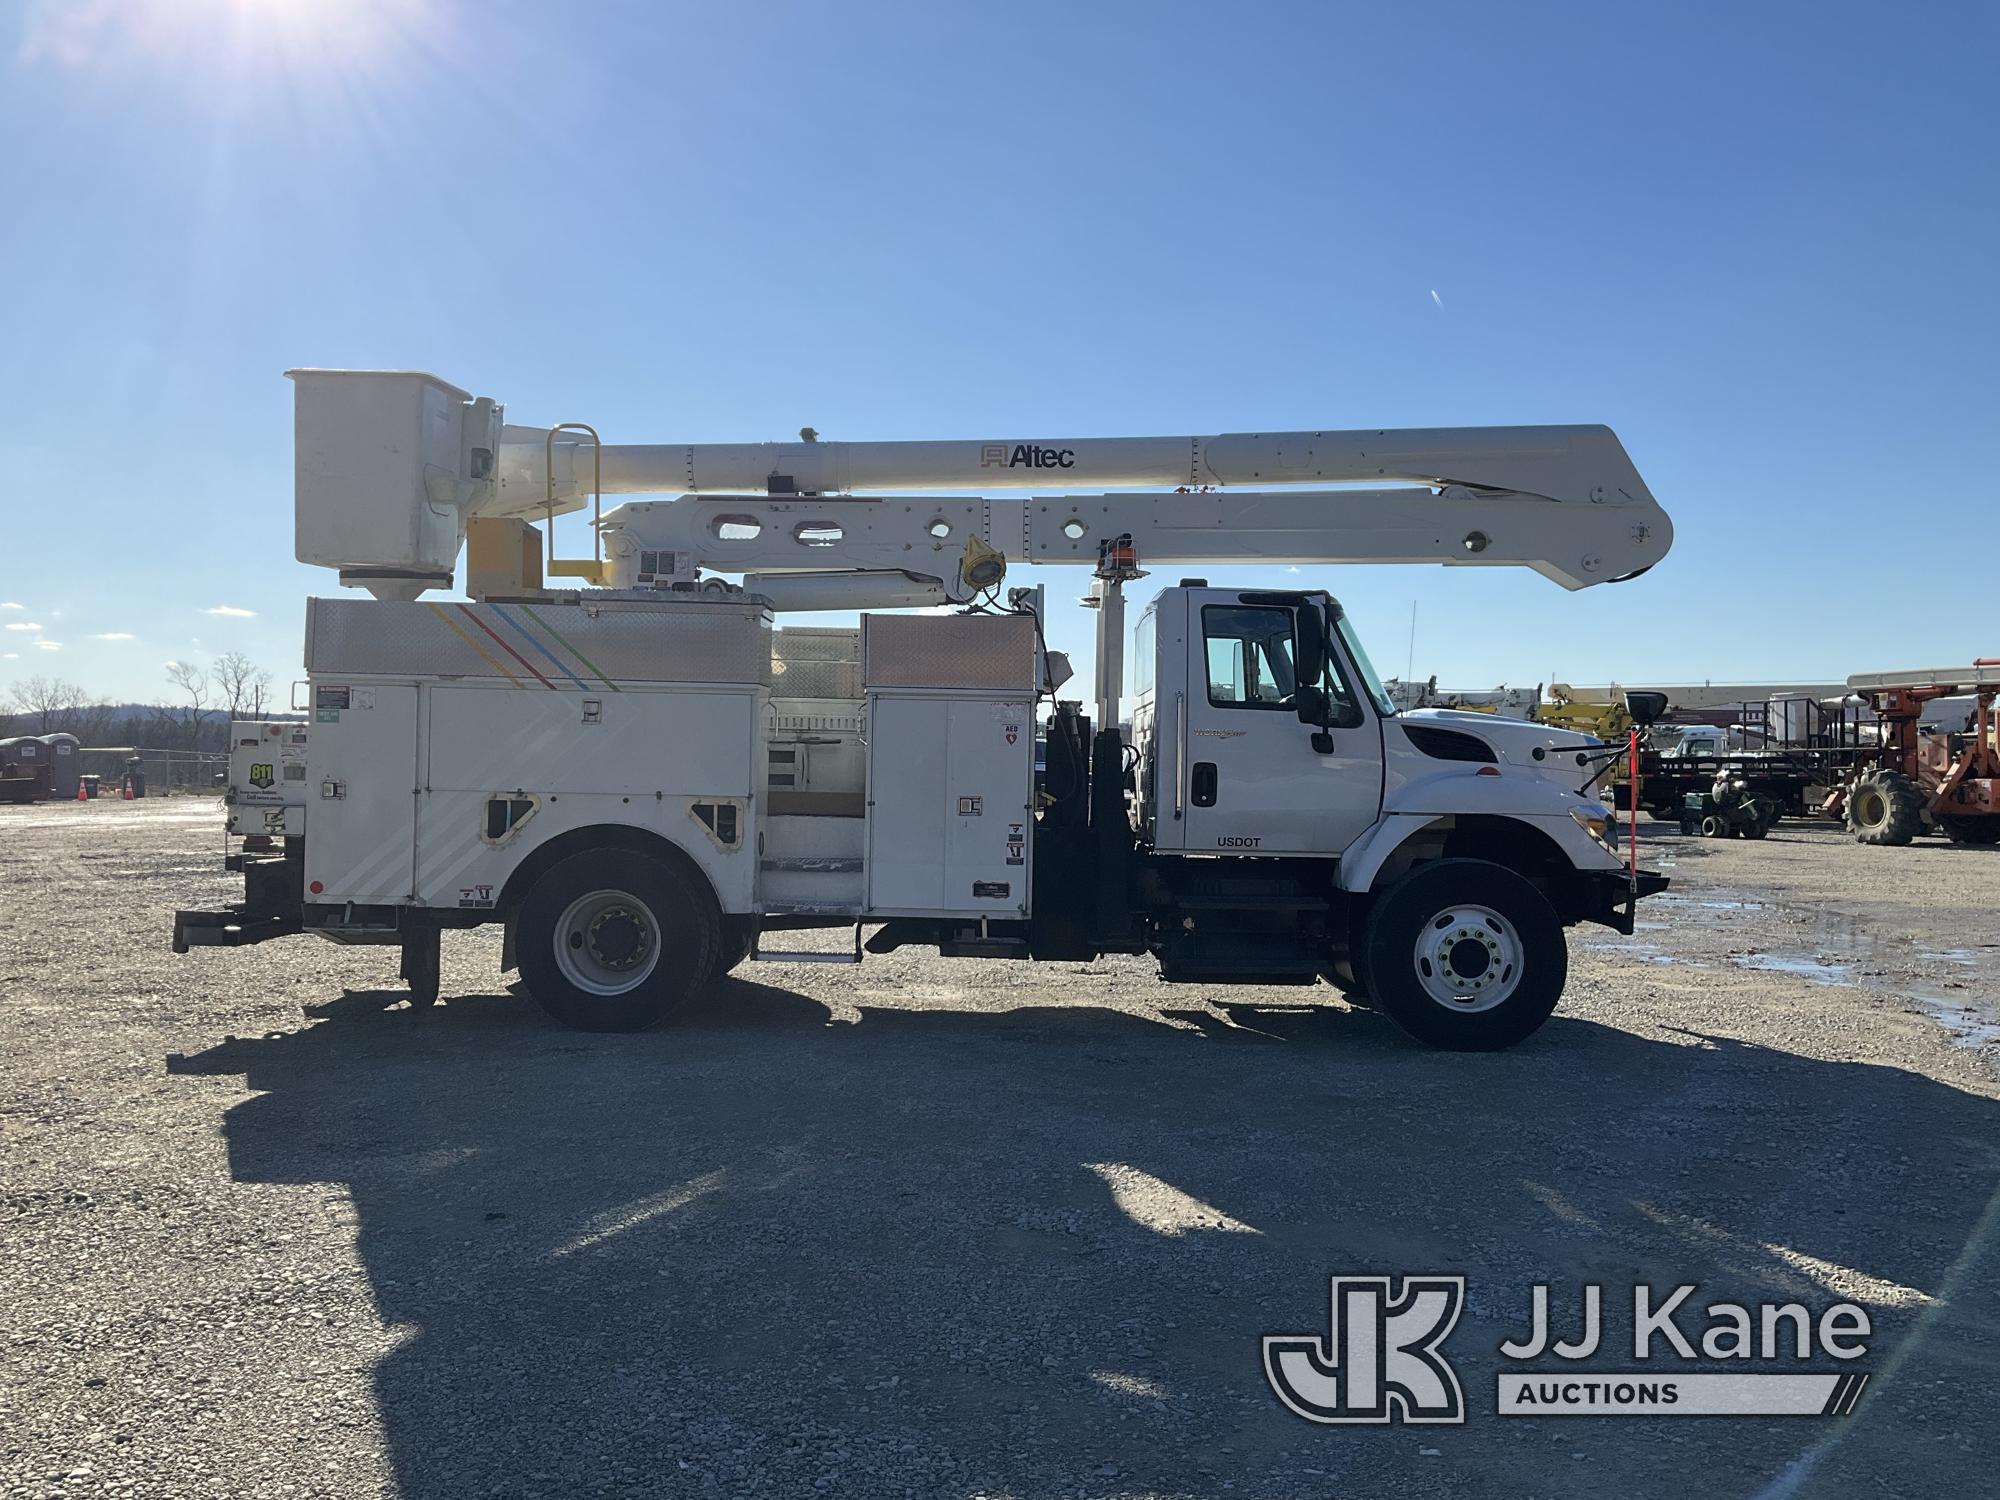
50	704
245	686
96	723
187	718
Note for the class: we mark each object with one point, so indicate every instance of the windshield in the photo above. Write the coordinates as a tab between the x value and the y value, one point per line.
1384	704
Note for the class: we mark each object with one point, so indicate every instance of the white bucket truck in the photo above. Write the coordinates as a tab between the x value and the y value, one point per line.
639	775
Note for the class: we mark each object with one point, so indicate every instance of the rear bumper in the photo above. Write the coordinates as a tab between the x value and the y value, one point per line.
1609	897
232	927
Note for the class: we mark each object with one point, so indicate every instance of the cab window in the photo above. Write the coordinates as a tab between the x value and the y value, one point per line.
1249	653
1249	656
1144	645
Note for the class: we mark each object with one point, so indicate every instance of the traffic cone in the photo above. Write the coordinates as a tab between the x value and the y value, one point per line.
81	794
128	791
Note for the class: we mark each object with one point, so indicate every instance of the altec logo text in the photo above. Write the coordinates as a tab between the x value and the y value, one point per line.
1025	456
1383	1358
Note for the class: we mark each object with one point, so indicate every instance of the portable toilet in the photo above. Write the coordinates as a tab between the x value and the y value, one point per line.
65	764
30	758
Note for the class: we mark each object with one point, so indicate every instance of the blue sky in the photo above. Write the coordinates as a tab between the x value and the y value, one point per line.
1758	241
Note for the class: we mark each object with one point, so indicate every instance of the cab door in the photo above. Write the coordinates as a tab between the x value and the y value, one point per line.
1250	780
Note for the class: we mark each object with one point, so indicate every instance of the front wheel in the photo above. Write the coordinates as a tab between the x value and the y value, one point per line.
610	940
1465	955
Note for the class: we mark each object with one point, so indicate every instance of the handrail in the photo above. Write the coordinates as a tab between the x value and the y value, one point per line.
1180	753
591	569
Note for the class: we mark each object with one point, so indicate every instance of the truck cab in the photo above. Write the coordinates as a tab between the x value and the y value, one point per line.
1236	755
1290	821
1229	762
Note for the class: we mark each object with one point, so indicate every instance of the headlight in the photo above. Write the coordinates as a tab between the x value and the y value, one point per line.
1594	820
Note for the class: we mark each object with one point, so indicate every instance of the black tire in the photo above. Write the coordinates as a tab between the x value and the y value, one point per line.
731	951
1757	827
1962	830
1885	808
422	966
651	920
1421	906
1714	827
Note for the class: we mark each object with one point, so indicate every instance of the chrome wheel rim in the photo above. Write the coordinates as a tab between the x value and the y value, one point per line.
1468	958
607	943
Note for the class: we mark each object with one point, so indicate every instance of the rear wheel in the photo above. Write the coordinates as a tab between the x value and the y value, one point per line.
733	949
1713	827
1884	807
611	940
1465	955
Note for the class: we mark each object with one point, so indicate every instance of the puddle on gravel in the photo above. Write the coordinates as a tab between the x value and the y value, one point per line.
1826	948
1818	971
1645	953
1945	955
1715	900
1968	1025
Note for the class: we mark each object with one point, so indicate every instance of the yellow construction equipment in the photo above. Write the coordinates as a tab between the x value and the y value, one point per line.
1608	721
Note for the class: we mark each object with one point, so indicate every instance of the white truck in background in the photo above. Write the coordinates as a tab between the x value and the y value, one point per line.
641	776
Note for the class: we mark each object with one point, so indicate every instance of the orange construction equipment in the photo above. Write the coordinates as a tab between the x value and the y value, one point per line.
1950	781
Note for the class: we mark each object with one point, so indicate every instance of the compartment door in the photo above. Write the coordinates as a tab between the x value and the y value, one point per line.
362	776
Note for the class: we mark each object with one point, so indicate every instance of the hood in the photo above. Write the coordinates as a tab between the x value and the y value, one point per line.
1516	741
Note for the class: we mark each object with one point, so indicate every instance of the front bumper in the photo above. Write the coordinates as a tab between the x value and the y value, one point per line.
1610	897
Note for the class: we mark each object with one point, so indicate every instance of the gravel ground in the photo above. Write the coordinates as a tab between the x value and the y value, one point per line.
959	1229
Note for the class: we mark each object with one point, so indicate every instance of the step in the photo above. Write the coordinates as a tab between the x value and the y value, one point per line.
797	836
791	956
794	889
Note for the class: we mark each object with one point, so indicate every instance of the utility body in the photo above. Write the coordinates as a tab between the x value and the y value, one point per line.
644	776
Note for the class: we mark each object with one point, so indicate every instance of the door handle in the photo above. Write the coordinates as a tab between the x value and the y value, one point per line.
1202	793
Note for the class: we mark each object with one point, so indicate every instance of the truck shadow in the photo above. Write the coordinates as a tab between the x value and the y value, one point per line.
1032	1250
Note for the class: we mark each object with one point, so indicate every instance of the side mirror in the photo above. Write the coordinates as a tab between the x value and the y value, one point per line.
1645	708
1309	649
1314	707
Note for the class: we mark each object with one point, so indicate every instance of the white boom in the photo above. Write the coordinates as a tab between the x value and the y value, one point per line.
391	466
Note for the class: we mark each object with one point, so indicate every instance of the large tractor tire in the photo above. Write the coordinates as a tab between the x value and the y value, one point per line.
1980	830
1465	955
1884	807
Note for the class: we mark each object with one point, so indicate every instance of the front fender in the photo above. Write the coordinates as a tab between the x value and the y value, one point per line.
1422	804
